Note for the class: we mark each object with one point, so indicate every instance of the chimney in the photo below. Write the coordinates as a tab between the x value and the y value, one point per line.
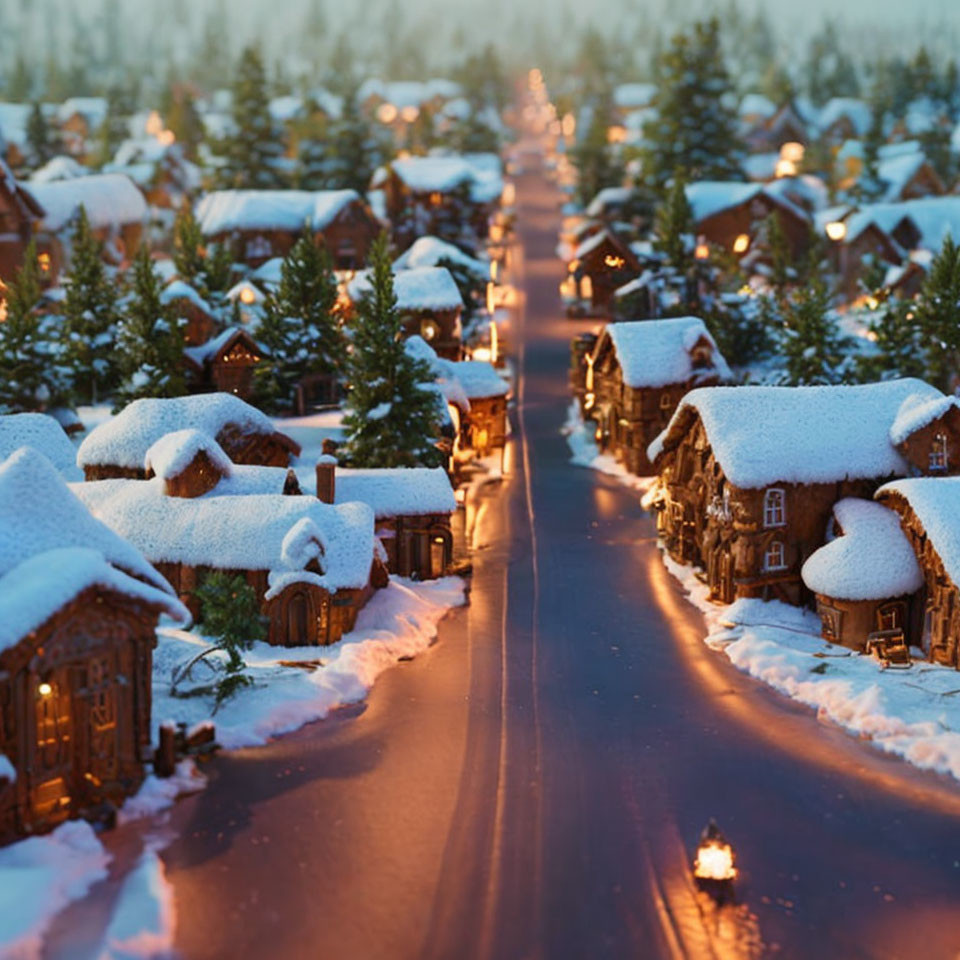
326	478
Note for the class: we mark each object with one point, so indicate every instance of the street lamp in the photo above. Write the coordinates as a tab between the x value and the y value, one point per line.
836	230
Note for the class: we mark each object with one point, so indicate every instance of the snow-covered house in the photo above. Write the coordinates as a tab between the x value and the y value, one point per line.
749	475
78	119
908	176
118	447
865	578
41	433
200	319
225	363
601	264
785	125
434	252
483	426
930	519
78	614
313	565
843	118
159	168
412	507
429	302
19	214
261	224
632	380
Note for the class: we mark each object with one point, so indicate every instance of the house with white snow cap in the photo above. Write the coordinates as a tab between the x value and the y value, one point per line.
637	373
749	475
313	565
118	447
78	615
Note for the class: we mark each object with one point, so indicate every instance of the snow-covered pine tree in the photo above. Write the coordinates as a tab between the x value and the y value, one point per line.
815	350
594	157
695	130
188	247
673	227
392	414
254	147
354	152
149	340
40	139
299	328
89	315
938	314
898	343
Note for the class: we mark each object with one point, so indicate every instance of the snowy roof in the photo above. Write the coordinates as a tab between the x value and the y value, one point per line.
328	102
608	196
92	109
761	166
59	168
286	108
918	411
14	118
180	290
757	105
766	435
478	378
169	456
40	432
109	199
856	111
273	532
593	241
936	503
709	197
429	251
269	272
447	383
397	492
226	210
655	353
629	96
205	351
125	440
896	172
871	560
420	288
428	174
934	218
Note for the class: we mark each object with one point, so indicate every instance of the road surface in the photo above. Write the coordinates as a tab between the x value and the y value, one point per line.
534	785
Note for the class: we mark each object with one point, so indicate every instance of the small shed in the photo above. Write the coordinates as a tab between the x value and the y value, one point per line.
225	363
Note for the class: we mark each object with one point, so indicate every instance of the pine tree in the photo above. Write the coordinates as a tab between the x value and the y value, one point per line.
149	340
254	147
353	151
183	119
206	267
113	130
89	315
869	187
938	314
39	138
829	70
392	416
673	227
814	348
594	157
695	131
898	343
299	327
26	370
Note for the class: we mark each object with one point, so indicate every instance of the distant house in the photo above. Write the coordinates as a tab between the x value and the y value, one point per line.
117	448
79	118
200	320
412	506
226	363
909	177
20	212
313	565
843	118
160	170
749	475
601	264
865	579
261	224
429	302
636	375
785	125
78	615
863	242
483	426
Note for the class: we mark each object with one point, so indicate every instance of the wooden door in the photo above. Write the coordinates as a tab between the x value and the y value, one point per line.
100	700
52	784
891	616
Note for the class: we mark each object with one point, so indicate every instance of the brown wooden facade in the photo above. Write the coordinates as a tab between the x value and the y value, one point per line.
19	214
440	328
229	369
417	546
75	712
934	449
850	623
747	219
483	428
609	265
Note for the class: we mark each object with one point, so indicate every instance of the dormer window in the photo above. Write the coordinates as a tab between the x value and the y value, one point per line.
938	452
774	557
701	358
774	508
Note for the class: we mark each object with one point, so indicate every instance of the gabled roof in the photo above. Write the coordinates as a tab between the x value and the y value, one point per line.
225	210
429	174
169	456
222	342
397	492
766	435
429	251
656	353
109	199
421	288
41	433
21	198
849	108
918	411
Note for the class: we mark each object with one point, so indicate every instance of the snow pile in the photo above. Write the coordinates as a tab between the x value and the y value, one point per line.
917	412
109	199
399	621
245	479
397	492
158	793
43	434
909	713
657	353
871	560
417	288
766	435
173	453
224	211
39	876
124	440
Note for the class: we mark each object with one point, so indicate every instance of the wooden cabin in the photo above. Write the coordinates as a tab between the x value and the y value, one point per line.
412	507
842	119
78	616
483	425
20	212
637	374
117	448
927	435
258	225
865	242
601	264
749	476
909	177
200	324
313	565
784	126
226	363
865	579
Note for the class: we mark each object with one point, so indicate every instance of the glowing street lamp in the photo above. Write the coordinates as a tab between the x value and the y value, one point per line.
702	252
836	230
714	868
742	243
386	113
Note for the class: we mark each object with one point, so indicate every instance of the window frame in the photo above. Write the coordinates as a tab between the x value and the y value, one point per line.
772	510
773	546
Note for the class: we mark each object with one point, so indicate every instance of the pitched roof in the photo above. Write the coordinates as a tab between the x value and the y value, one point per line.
918	411
419	288
430	251
224	210
169	456
397	492
42	433
109	199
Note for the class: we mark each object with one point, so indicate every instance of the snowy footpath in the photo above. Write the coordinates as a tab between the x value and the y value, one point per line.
913	713
41	876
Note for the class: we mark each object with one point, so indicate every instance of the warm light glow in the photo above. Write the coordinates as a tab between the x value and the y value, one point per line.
496	232
589	379
586	288
247	296
43	259
792	152
616	134
702	251
490	299
836	230
742	243
409	114
613	261
494	267
509	195
573	266
481	353
154	125
569	124
429	330
535	78
386	113
588	401
714	861
746	290
44	689
597	434
494	342
785	168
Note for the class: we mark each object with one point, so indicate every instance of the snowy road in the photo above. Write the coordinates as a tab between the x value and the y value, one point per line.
533	786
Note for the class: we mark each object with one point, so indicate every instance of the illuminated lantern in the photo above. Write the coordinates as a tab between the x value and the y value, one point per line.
702	252
386	113
248	296
742	243
44	689
714	868
43	259
490	303
836	230
429	330
409	114
613	262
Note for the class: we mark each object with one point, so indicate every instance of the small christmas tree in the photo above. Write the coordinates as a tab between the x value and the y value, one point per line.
815	350
594	157
673	227
149	340
898	343
392	413
40	139
89	315
938	315
300	328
